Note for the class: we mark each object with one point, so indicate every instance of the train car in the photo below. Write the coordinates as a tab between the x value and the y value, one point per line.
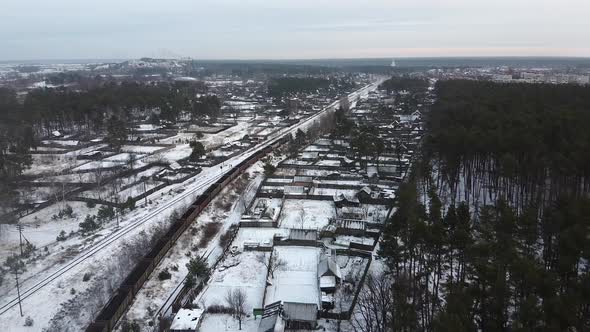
97	327
114	309
138	275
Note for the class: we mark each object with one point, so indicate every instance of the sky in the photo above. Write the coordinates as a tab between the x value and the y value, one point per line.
291	29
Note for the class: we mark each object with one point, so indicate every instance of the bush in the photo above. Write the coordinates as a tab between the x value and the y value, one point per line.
269	169
90	204
225	238
130	204
72	291
219	309
68	211
209	232
105	213
198	267
190	281
128	326
29	321
62	236
174	267
89	224
86	276
164	275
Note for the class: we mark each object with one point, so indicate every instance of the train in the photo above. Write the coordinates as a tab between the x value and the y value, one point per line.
120	301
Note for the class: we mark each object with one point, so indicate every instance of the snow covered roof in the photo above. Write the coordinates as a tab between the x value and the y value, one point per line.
327	282
296	286
187	320
328	266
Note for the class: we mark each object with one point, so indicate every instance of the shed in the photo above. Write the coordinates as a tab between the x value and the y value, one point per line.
300	315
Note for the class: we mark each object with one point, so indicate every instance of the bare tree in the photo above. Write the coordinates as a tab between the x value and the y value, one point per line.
236	300
273	264
373	310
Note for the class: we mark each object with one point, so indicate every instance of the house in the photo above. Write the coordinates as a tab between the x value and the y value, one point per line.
187	320
367	194
341	200
329	274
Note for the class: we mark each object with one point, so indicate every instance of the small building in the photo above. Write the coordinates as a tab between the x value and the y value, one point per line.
187	320
329	274
302	316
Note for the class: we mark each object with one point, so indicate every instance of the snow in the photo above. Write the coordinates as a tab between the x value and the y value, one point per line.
141	148
306	214
257	235
249	275
294	286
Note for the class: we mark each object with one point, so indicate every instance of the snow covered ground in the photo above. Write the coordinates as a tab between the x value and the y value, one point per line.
306	214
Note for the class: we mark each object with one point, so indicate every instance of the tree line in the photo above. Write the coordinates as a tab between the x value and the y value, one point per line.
527	142
447	270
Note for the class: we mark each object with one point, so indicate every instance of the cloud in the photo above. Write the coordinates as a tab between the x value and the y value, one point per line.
33	29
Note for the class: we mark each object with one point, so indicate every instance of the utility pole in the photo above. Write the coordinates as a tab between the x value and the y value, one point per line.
20	235
144	191
18	291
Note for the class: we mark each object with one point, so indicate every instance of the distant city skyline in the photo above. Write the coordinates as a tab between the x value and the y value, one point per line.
292	29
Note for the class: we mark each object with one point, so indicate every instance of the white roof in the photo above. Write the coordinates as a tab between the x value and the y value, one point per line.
295	286
187	319
327	281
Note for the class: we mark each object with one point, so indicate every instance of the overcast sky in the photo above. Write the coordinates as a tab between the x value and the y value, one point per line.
291	29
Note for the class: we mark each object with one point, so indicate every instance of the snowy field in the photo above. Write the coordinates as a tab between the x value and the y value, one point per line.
306	214
245	271
257	235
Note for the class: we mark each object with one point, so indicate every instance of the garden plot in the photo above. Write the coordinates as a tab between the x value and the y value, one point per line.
298	162
298	258
245	271
297	281
179	152
124	157
258	235
98	164
357	182
74	178
328	162
333	192
67	143
317	148
141	149
345	240
279	180
51	164
282	171
227	323
86	150
306	214
41	194
377	213
138	189
47	149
